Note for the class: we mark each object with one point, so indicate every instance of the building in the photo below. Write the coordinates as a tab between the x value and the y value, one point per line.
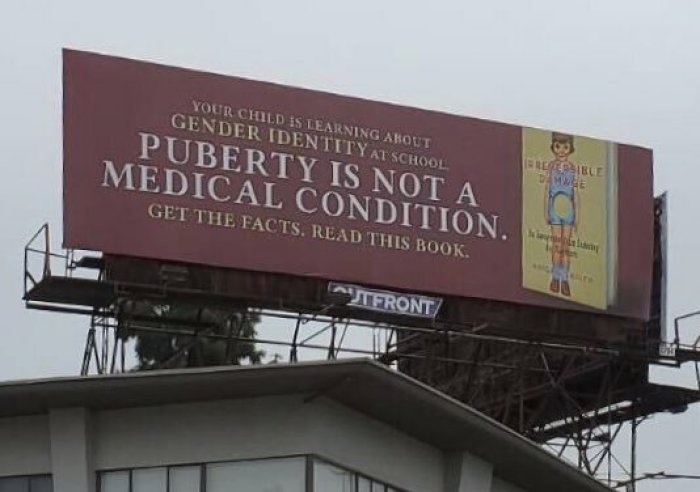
347	425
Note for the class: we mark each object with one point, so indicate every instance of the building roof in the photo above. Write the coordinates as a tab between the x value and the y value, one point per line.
361	384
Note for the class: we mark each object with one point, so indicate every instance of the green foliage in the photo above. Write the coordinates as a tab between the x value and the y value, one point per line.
176	335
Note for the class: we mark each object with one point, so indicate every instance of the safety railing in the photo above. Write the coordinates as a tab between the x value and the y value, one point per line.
39	260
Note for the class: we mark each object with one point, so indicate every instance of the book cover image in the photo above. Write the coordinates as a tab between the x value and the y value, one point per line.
569	222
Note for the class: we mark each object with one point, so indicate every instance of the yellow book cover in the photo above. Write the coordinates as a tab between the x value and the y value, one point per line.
569	227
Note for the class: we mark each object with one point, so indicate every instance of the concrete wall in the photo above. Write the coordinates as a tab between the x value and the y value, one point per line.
25	446
363	444
71	450
503	486
465	472
264	427
77	442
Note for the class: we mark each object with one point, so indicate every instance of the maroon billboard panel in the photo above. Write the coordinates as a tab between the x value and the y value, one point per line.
174	164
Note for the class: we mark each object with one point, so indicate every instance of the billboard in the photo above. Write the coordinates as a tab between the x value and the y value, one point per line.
174	164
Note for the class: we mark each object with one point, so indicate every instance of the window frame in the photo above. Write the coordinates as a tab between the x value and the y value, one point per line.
309	460
29	479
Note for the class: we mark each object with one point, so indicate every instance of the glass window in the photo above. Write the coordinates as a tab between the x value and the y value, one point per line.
185	479
14	484
263	475
114	481
149	480
37	483
41	484
273	475
329	478
364	484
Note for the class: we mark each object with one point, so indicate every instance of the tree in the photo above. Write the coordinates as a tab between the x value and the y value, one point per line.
183	335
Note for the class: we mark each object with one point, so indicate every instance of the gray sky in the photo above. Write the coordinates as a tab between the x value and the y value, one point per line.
621	70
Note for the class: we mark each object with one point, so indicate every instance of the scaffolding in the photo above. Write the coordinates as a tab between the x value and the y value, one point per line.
576	397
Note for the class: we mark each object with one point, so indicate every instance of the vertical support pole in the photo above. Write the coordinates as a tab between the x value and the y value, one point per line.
98	362
331	346
610	436
293	356
123	354
105	344
47	253
633	454
87	353
579	443
123	323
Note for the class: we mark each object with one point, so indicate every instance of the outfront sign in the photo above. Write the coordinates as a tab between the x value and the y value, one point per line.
174	164
388	302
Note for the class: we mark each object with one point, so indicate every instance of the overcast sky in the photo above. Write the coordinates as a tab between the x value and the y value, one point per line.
627	71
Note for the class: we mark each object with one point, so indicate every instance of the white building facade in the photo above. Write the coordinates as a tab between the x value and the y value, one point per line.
345	426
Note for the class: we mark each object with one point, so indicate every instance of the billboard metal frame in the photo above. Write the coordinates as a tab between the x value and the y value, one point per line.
537	386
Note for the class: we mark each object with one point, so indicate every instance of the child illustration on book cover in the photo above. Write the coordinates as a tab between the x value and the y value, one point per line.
569	217
561	207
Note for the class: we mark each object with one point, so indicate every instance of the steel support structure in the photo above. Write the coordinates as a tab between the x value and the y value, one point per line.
577	399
